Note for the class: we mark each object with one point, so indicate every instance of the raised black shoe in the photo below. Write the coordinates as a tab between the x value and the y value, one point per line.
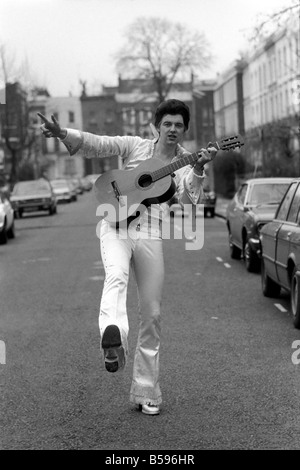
112	346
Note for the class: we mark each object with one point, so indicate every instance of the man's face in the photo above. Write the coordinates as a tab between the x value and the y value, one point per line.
171	129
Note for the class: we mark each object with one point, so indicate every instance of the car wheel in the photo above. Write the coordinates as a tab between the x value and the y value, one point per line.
20	213
252	262
212	212
270	288
3	236
11	231
235	252
295	298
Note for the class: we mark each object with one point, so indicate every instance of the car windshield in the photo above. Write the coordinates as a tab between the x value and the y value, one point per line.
29	187
270	193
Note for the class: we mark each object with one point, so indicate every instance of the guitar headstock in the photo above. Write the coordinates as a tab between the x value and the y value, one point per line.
229	143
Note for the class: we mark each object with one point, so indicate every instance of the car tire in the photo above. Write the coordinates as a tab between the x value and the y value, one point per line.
11	231
212	212
3	236
252	262
295	299
235	252
270	288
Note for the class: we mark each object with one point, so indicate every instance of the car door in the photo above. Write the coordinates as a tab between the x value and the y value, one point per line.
238	215
269	236
295	235
285	231
292	232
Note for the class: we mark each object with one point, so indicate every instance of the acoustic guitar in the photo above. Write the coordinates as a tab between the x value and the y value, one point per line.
126	194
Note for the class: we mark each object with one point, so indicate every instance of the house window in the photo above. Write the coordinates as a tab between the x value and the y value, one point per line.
71	117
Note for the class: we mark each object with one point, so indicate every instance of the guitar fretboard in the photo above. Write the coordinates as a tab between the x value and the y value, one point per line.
171	167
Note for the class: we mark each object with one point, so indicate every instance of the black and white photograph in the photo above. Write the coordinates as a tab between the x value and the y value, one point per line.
149	227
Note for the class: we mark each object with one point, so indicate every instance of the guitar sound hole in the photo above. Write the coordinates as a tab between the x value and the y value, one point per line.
145	181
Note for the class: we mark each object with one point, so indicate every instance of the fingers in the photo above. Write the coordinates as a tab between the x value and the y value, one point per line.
48	134
43	117
54	120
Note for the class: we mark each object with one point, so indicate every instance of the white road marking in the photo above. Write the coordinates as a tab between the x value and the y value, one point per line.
96	278
227	265
215	318
35	260
219	259
280	307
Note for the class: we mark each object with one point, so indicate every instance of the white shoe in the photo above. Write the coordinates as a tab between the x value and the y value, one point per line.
149	409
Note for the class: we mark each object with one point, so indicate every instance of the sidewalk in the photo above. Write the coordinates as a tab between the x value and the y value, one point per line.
221	206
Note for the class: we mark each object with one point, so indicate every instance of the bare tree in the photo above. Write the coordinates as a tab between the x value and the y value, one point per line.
162	51
17	132
269	23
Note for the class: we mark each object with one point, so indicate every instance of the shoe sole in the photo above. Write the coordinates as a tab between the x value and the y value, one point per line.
112	366
149	413
111	337
111	340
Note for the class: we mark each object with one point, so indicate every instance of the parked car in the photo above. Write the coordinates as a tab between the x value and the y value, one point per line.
280	242
33	195
62	190
253	205
73	189
86	183
7	219
78	185
71	185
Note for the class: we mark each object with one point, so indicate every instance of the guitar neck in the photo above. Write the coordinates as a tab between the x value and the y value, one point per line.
171	167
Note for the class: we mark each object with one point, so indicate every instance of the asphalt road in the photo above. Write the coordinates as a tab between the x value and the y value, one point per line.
227	377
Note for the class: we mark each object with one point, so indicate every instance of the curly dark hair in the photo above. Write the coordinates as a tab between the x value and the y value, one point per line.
172	107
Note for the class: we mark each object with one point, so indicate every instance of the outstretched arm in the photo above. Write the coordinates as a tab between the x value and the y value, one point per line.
91	145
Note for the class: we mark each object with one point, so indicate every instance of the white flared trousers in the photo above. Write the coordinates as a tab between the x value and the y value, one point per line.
119	250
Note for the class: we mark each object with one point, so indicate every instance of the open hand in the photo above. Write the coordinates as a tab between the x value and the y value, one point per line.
51	129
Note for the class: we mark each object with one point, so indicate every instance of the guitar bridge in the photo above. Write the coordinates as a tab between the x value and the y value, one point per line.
118	193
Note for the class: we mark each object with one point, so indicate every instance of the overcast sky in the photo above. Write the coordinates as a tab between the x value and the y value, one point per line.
68	40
